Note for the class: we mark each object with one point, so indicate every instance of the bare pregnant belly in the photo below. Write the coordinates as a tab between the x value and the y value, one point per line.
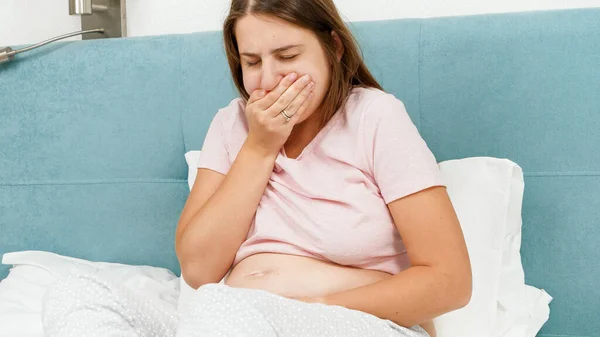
297	276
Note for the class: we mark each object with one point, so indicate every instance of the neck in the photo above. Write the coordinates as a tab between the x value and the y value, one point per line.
302	134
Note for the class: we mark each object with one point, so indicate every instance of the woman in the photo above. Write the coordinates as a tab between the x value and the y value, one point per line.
315	185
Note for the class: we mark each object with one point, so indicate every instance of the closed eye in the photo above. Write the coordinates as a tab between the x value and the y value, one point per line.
288	57
282	57
252	64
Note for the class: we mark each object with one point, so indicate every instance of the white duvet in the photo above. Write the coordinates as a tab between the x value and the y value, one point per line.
84	305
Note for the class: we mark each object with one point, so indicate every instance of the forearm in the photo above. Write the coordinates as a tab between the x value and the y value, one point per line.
412	297
211	239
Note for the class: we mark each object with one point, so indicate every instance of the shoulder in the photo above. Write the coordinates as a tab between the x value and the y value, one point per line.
230	123
374	101
365	94
231	115
370	106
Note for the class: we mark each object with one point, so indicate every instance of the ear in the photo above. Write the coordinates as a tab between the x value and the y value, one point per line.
339	46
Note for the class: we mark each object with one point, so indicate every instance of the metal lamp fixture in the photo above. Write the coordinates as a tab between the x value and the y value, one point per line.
8	54
107	17
107	14
85	7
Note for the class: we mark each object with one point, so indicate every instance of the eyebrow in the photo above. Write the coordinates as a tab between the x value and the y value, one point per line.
274	51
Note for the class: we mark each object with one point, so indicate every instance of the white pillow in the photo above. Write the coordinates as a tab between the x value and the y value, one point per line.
487	195
192	158
22	291
522	309
480	190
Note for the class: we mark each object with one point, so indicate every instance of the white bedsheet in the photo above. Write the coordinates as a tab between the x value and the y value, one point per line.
29	324
21	294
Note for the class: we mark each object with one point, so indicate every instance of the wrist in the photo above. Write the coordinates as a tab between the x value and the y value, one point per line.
259	151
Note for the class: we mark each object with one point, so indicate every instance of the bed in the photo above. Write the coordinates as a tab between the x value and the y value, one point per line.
97	138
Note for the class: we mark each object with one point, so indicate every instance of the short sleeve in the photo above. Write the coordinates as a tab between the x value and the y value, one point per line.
400	161
214	154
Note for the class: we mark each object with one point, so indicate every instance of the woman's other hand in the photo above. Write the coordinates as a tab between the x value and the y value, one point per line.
311	299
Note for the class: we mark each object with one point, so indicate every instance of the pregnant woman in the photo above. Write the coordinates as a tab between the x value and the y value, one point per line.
316	202
314	185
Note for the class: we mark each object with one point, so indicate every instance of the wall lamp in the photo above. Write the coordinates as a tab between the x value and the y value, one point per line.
107	17
108	14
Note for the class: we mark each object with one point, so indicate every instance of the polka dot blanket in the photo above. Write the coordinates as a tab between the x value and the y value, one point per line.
84	305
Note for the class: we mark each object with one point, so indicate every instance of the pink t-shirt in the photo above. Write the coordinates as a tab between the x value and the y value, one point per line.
330	203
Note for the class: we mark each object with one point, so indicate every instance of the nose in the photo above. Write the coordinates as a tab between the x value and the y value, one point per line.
271	75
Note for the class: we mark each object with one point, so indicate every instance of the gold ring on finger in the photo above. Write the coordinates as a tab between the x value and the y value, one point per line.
285	115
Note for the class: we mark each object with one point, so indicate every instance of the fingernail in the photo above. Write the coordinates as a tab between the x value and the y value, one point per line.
311	85
305	78
293	76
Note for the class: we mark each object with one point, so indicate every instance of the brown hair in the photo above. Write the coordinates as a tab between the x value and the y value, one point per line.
321	17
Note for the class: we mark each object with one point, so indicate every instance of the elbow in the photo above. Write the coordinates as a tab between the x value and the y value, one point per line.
202	268
190	269
456	288
463	296
193	278
462	288
191	281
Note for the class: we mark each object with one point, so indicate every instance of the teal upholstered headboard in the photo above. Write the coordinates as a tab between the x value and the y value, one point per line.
93	135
